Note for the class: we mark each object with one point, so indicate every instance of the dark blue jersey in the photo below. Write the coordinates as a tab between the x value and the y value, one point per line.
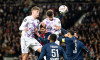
45	38
73	48
52	52
70	46
79	46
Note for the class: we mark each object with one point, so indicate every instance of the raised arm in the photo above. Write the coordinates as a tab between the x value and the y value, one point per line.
85	48
60	38
23	25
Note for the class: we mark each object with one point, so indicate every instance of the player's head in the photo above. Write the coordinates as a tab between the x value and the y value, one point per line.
70	33
53	37
50	14
42	29
35	11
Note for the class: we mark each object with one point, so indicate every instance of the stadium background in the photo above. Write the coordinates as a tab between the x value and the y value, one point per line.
83	17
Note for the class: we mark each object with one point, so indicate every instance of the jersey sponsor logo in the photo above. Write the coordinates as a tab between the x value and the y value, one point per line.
25	20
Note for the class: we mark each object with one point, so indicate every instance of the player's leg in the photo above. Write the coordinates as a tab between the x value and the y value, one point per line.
39	49
24	56
24	49
35	45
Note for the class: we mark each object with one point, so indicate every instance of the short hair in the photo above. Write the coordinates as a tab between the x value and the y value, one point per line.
71	32
42	26
49	13
53	37
35	8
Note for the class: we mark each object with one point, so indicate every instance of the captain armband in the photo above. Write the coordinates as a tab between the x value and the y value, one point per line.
63	39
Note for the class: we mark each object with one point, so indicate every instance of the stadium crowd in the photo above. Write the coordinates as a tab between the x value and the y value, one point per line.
89	31
13	12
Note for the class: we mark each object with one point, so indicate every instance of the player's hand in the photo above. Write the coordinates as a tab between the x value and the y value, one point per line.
75	34
49	37
37	34
26	29
46	31
43	24
36	30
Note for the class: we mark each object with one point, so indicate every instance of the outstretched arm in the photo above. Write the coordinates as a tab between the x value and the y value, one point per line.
60	38
64	31
23	25
85	48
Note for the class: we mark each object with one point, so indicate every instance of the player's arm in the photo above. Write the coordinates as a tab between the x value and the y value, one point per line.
58	24
63	38
23	25
60	38
43	52
64	54
85	49
64	31
43	23
45	40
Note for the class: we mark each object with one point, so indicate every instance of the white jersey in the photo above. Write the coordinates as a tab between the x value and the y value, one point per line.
50	25
31	24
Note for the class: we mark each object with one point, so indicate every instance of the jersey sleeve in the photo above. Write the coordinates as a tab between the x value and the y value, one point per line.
60	38
24	23
64	54
44	21
84	47
59	23
38	27
43	52
64	31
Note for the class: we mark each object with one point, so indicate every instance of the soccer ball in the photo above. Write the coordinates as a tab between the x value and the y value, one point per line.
63	9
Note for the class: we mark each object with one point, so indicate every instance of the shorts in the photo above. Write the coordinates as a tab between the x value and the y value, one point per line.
29	42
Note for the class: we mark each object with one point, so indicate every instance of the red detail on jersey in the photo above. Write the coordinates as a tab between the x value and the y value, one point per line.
42	35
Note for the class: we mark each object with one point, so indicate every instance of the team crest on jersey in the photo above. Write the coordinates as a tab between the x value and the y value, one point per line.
25	20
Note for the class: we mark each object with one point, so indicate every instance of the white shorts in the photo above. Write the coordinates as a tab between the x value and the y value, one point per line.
29	42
